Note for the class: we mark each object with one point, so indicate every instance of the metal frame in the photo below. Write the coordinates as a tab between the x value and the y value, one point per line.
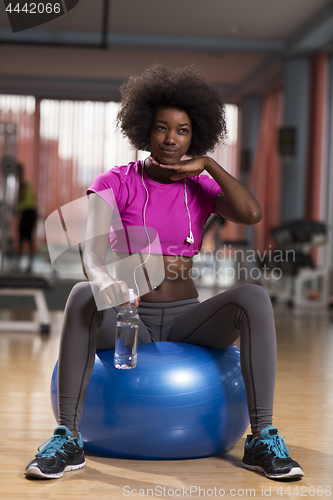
43	323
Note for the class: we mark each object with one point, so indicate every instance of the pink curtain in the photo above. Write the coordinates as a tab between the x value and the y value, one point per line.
77	142
315	166
316	143
264	180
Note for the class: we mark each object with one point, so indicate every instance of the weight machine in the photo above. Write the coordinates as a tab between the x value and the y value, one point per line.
10	174
302	283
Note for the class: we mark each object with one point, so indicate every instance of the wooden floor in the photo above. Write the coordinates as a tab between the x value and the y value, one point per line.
303	413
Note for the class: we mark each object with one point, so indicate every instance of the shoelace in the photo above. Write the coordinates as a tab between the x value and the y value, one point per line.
277	445
55	442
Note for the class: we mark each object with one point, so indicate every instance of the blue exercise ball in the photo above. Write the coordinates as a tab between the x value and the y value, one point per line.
180	401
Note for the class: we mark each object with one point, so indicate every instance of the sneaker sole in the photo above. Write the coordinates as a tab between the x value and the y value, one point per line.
36	472
295	473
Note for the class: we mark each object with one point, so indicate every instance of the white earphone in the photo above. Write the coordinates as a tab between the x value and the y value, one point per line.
189	239
144	223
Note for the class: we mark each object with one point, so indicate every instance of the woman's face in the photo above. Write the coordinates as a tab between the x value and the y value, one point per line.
170	135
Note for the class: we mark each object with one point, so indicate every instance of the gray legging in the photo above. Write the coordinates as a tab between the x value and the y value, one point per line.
243	311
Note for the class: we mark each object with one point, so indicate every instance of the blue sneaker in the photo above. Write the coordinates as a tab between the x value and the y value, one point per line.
269	454
62	453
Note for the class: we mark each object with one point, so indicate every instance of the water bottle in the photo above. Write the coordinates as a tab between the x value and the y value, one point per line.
125	354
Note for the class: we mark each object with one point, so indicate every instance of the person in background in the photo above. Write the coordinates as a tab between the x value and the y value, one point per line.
27	209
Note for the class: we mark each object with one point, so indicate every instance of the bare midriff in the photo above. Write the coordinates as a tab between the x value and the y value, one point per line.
177	283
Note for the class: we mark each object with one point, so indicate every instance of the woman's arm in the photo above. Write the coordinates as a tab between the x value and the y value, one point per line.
234	203
112	291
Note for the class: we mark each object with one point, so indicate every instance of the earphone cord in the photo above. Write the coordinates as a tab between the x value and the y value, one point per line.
144	223
190	238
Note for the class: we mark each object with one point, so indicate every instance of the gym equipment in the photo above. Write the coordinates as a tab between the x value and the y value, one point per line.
10	172
181	401
299	282
27	285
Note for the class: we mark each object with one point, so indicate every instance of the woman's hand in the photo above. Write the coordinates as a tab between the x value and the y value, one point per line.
184	168
114	292
234	202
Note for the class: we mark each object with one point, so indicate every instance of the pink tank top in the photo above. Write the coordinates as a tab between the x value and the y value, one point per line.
166	216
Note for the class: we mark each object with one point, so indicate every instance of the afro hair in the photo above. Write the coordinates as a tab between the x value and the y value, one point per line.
182	88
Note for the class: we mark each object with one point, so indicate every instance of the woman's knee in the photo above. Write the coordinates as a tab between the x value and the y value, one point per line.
81	296
80	315
255	290
252	297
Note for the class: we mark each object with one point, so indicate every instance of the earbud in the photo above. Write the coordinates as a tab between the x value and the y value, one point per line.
190	239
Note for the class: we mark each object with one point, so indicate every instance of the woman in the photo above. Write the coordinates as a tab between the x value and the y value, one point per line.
170	113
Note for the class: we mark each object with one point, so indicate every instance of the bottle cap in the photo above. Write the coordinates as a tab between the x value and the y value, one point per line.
131	295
